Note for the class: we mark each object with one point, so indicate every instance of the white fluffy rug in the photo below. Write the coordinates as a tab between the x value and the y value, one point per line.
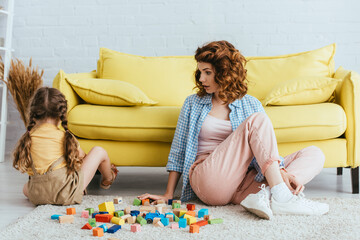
342	222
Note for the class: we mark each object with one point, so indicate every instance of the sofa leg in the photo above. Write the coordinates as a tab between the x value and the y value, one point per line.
339	170
355	179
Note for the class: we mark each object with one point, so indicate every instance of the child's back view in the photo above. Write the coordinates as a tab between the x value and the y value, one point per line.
58	168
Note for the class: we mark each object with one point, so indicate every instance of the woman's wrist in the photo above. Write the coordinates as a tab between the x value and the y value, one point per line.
168	195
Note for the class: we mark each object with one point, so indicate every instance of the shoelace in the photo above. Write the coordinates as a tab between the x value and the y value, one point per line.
264	195
308	202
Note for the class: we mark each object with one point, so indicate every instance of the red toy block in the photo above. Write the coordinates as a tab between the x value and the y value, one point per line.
144	201
98	232
201	223
136	227
190	207
70	211
194	228
87	226
103	217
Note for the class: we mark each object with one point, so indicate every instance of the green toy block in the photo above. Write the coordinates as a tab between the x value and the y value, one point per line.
141	220
137	202
214	221
119	213
91	211
176	205
176	218
92	222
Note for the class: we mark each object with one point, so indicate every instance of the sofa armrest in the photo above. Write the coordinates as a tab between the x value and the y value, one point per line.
62	84
348	96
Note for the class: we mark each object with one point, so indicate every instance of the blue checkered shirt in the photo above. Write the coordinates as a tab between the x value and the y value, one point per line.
185	143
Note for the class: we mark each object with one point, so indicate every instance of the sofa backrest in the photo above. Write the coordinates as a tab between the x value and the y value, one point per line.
169	80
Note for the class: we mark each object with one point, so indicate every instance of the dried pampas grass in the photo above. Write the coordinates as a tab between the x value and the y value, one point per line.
23	81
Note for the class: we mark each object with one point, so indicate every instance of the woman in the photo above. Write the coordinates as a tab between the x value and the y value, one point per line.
225	146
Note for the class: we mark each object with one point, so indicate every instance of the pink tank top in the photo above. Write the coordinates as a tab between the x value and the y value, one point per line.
212	133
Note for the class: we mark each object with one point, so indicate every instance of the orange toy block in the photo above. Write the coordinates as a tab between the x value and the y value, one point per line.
87	226
201	223
190	207
70	211
98	232
194	228
144	201
191	213
66	219
103	217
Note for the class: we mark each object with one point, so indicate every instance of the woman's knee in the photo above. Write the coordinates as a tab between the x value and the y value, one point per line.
99	151
318	155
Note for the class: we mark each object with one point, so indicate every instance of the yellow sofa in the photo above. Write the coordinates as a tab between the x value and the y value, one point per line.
140	133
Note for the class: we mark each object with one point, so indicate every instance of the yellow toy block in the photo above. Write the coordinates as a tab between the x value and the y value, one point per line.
182	212
117	220
107	207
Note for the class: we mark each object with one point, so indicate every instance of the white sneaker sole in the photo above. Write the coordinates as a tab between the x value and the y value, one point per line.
257	212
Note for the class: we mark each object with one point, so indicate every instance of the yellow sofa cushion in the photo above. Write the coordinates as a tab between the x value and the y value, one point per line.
109	92
166	80
302	90
264	73
158	123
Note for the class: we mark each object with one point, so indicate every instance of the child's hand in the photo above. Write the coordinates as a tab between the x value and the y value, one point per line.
155	197
293	184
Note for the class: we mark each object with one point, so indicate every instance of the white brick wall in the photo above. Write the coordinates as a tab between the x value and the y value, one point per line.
67	34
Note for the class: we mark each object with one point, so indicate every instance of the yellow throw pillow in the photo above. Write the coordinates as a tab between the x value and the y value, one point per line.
109	92
302	90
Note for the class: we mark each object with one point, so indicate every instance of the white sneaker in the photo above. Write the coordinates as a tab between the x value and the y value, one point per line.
258	203
299	205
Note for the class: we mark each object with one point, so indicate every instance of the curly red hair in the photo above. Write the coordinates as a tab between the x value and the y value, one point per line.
229	66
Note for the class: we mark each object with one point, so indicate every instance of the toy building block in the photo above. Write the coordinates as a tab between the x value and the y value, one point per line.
160	209
114	229
156	219
202	212
171	218
117	220
176	205
141	220
117	200
176	218
215	221
182	223
125	216
207	217
127	210
165	221
137	202
190	207
91	210
147	208
92	222
104	227
87	226
144	201
201	223
107	207
134	213
55	216
85	214
98	232
94	214
161	201
103	212
159	224
70	211
66	219
136	227
191	220
176	201
170	201
103	217
191	213
174	226
131	220
118	213
194	228
182	213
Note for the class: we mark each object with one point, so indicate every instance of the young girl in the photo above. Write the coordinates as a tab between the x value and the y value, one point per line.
59	170
226	149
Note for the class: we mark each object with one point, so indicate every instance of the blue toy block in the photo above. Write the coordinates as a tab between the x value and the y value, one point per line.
94	214
134	213
170	201
202	212
104	227
182	223
103	212
165	221
55	216
114	229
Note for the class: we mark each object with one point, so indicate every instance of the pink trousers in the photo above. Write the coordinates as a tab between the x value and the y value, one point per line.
223	177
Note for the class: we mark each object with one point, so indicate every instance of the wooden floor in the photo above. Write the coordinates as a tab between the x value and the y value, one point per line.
131	181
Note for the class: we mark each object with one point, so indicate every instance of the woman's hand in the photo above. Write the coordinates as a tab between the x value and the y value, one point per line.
293	184
164	197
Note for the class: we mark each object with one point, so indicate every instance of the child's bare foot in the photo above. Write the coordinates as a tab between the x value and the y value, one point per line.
106	183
